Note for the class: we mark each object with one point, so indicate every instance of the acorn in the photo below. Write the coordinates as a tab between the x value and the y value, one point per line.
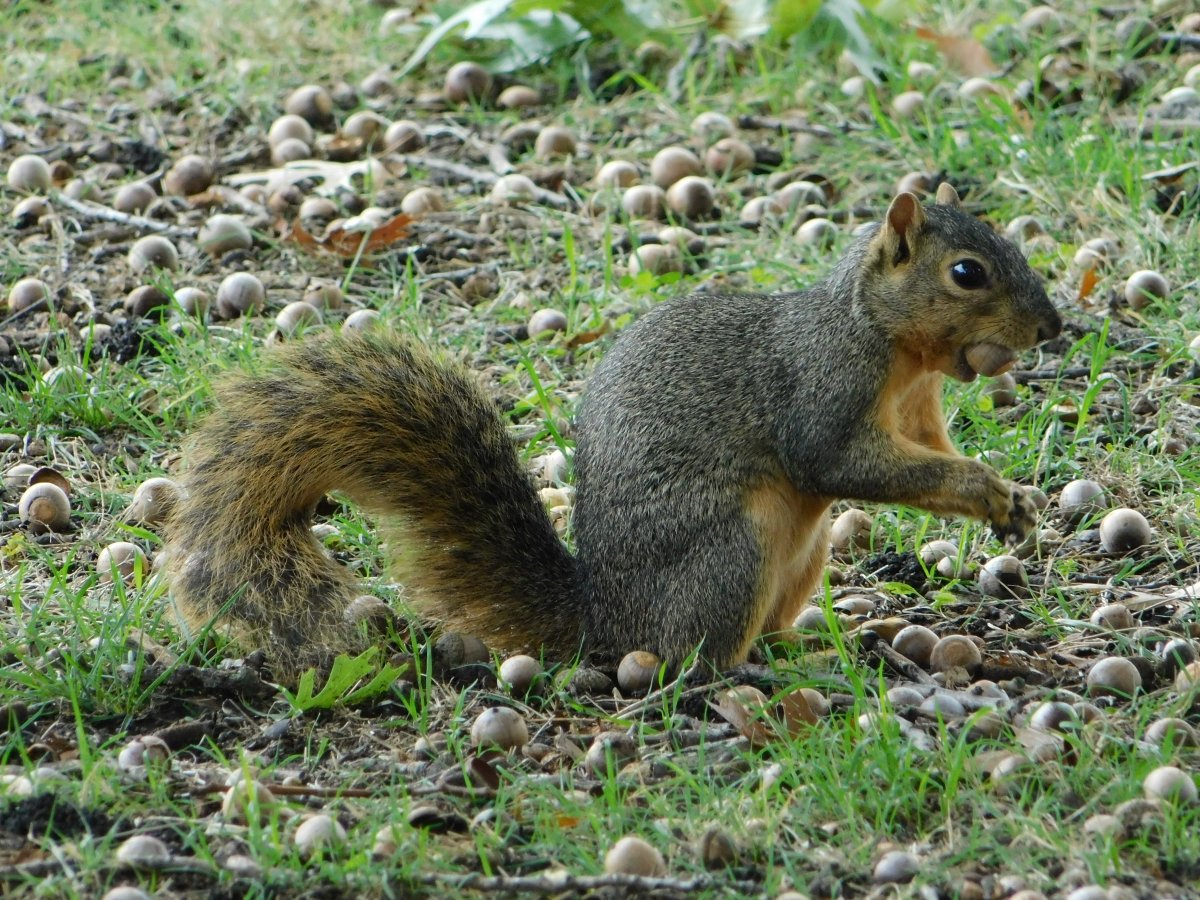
546	322
896	867
796	194
422	201
673	163
290	127
120	560
990	359
519	672
977	88
153	252
729	157
324	295
644	201
851	531
919	70
513	188
296	317
554	140
760	209
1080	498
29	174
955	651
240	294
193	301
1172	732
638	672
610	751
1171	784
633	856
27	292
499	726
44	507
367	127
134	197
318	832
916	642
817	232
190	175
1114	617
617	173
1004	576
312	103
221	234
657	259
1123	531
1145	286
290	150
1114	676
143	850
712	126
518	96
691	197
361	320
466	81
908	103
403	136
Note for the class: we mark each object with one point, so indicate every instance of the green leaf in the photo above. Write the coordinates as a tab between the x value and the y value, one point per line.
472	19
347	671
531	39
791	17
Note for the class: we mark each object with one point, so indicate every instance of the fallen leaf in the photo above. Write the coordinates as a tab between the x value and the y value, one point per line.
1087	284
348	243
965	54
586	337
742	707
798	715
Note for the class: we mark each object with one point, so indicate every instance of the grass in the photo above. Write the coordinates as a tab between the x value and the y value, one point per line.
814	812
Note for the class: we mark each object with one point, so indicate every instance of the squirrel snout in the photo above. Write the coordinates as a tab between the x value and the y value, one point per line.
1050	327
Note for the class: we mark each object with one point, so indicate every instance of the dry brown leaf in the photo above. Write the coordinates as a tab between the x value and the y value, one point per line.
798	715
742	708
586	337
350	243
965	54
1087	284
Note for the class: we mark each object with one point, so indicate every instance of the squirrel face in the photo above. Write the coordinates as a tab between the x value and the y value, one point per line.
952	292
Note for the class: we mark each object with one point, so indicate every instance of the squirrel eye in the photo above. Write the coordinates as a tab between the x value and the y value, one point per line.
968	274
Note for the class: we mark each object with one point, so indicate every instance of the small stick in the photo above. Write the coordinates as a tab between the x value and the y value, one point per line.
98	213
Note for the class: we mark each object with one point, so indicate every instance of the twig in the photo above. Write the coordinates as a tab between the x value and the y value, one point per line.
494	153
902	664
562	882
476	176
1051	374
97	213
772	123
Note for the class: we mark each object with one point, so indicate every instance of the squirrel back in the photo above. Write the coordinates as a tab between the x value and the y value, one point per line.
711	441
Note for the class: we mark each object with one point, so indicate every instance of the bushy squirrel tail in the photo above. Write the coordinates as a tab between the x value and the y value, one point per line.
408	437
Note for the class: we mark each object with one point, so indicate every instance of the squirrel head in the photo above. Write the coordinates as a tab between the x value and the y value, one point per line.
950	290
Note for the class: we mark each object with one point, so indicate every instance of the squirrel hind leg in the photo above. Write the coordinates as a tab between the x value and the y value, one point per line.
793	531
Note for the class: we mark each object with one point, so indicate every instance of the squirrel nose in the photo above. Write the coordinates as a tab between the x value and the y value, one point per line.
1051	327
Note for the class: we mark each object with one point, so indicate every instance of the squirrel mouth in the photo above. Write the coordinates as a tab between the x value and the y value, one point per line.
983	359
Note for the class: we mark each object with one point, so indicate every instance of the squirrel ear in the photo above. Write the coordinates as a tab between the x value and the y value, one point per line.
947	195
904	218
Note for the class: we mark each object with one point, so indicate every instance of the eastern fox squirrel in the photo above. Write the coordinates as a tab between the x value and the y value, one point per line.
711	441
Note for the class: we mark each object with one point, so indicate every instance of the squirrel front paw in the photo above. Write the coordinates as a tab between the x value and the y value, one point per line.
1011	511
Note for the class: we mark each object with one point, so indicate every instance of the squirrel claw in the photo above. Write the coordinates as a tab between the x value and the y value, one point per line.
1020	518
